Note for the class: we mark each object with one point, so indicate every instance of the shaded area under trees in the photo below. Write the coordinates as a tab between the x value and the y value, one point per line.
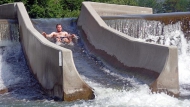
71	8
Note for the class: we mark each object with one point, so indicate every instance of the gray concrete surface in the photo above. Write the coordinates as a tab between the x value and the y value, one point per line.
51	64
109	44
8	11
113	9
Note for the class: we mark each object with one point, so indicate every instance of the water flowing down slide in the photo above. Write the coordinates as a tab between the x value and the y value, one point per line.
125	52
52	65
112	62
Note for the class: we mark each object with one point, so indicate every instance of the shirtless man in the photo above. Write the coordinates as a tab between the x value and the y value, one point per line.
61	36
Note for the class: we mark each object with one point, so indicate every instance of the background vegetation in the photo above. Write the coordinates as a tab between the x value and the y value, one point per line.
71	8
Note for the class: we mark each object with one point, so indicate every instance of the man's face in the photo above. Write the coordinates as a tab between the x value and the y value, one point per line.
59	28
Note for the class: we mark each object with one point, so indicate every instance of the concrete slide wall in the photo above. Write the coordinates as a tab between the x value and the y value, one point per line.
112	44
113	9
52	65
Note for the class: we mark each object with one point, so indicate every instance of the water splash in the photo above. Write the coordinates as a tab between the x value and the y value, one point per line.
9	31
15	75
157	32
104	82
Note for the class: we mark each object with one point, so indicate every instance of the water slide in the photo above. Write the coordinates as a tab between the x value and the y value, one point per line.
139	57
125	52
52	65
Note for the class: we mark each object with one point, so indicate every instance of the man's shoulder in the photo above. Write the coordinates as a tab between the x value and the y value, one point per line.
53	32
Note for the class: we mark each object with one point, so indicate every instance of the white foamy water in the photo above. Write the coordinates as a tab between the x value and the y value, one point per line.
109	94
15	75
7	52
156	32
173	36
139	96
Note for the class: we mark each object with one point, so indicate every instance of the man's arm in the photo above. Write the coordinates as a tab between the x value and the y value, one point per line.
48	35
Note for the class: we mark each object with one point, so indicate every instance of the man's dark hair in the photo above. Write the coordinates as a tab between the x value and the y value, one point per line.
57	25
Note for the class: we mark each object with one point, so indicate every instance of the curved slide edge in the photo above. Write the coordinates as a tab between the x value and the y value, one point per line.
51	64
122	50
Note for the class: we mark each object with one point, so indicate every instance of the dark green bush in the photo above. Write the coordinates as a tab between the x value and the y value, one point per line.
71	8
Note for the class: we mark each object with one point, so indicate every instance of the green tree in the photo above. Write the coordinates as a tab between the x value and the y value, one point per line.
6	1
175	5
124	2
71	8
45	8
182	5
121	2
37	11
152	4
54	9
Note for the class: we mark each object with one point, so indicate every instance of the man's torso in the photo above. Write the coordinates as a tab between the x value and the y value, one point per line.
60	34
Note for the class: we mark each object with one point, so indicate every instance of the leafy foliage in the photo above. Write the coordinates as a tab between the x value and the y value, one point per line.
71	8
175	5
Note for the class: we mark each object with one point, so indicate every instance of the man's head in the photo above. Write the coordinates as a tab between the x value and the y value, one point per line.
59	27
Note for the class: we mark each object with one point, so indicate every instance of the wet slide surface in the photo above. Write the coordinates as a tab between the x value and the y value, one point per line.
112	87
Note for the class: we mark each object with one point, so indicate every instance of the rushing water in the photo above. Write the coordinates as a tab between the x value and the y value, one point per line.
156	32
112	88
